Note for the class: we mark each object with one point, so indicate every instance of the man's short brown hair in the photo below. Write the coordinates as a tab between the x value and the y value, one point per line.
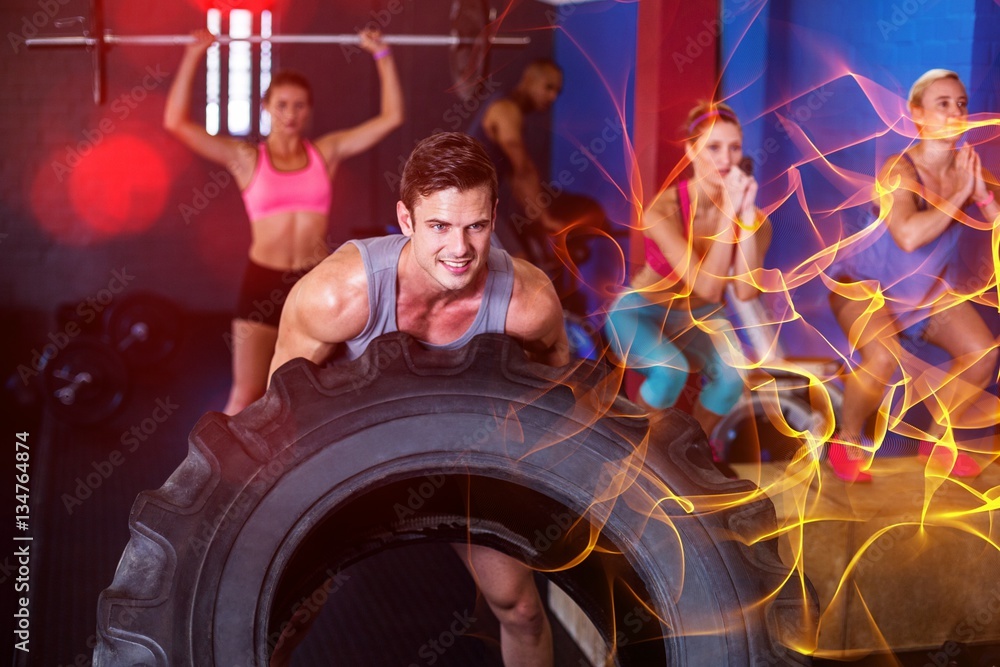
446	160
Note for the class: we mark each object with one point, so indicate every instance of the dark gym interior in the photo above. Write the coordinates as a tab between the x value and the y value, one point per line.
107	219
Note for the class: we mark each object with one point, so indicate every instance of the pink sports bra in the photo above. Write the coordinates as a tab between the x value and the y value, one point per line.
654	257
271	191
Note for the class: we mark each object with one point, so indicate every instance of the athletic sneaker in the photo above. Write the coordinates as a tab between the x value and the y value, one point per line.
848	459
948	460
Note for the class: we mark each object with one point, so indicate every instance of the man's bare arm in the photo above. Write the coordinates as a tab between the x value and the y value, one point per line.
505	124
535	316
328	306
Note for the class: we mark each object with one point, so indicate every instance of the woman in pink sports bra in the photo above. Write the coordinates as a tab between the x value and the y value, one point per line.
701	235
285	183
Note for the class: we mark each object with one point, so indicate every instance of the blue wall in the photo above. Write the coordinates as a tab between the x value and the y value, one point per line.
840	72
595	45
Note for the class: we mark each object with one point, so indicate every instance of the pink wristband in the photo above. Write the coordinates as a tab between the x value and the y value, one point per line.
382	53
985	202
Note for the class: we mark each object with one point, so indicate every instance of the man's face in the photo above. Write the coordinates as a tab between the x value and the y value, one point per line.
544	86
449	234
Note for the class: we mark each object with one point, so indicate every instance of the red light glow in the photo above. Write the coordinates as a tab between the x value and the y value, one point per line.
225	6
120	187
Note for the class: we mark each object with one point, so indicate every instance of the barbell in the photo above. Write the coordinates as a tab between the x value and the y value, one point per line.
86	382
472	33
111	39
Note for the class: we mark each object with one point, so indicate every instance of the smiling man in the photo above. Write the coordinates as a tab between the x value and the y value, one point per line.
441	282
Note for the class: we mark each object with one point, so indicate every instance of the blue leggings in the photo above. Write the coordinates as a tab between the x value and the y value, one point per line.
664	345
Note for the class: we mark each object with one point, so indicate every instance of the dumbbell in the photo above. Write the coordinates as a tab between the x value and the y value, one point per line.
88	380
144	327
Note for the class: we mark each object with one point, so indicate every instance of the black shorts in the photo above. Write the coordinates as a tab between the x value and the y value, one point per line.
263	293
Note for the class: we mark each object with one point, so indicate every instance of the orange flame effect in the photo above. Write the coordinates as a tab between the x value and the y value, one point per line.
930	505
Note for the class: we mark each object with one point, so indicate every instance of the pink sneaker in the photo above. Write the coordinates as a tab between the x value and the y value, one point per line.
847	461
957	463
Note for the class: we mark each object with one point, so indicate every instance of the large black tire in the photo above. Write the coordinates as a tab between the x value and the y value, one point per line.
402	444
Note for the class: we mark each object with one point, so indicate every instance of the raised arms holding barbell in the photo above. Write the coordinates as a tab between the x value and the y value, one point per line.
285	185
471	36
333	146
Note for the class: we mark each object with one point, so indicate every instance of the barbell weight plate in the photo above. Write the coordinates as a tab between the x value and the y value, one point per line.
747	433
144	327
74	401
468	59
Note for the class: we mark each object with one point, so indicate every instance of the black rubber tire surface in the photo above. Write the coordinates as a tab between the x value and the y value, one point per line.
336	464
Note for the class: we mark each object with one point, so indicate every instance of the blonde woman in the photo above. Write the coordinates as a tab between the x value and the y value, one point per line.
913	261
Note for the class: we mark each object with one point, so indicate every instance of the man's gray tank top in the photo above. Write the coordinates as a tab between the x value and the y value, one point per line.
381	259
